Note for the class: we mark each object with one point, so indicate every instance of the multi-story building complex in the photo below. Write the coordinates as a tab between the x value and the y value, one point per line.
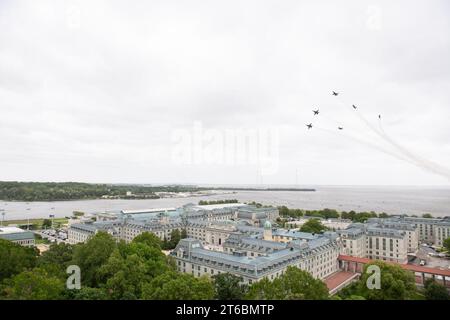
411	230
81	232
386	244
205	223
240	239
254	259
431	230
380	239
353	242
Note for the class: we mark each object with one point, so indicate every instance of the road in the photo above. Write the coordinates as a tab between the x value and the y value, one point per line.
432	262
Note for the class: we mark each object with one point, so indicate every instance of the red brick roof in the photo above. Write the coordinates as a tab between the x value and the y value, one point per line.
413	268
338	278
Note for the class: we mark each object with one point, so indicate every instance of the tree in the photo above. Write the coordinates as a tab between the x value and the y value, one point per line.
175	237
124	275
294	284
228	287
156	262
60	254
15	258
184	234
92	255
329	213
36	284
283	210
447	244
396	283
178	286
46	224
313	226
86	293
427	215
149	239
435	291
264	289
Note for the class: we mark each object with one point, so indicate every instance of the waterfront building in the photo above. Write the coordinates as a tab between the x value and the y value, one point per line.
431	230
17	235
380	239
210	224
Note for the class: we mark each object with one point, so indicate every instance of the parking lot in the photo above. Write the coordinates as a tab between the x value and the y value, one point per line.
52	235
432	260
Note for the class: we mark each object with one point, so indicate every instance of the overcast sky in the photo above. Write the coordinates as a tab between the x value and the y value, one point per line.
119	91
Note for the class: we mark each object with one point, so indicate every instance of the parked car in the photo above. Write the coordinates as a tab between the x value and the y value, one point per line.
422	262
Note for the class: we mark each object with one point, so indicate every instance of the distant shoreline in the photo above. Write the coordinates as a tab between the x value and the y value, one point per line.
265	189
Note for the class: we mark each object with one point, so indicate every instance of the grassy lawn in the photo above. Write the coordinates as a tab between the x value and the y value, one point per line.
36	222
42	241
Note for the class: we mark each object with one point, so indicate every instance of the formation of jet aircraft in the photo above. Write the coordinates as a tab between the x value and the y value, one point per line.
316	113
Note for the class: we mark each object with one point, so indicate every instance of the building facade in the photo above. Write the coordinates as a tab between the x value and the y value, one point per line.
17	235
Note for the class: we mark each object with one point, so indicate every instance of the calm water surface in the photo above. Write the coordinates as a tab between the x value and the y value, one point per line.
392	200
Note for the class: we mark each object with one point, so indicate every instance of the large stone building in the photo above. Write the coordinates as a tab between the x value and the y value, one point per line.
431	230
211	224
381	239
253	259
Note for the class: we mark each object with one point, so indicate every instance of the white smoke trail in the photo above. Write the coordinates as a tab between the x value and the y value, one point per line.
412	158
425	163
374	130
367	144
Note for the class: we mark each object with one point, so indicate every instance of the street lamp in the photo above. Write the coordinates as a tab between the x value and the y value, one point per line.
51	216
3	215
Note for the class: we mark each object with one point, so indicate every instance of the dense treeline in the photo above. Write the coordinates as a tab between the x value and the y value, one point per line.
53	191
330	213
205	202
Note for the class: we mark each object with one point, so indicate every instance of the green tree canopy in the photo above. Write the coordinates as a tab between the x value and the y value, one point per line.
59	255
178	286
294	284
313	226
124	275
228	287
15	258
92	255
36	284
87	293
46	224
435	291
396	284
148	239
447	244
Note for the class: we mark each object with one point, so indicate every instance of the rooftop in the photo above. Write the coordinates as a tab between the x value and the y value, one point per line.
218	206
10	230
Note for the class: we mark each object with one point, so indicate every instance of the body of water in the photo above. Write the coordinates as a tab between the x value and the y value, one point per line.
392	200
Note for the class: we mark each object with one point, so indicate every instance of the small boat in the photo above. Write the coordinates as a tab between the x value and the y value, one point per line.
28	209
